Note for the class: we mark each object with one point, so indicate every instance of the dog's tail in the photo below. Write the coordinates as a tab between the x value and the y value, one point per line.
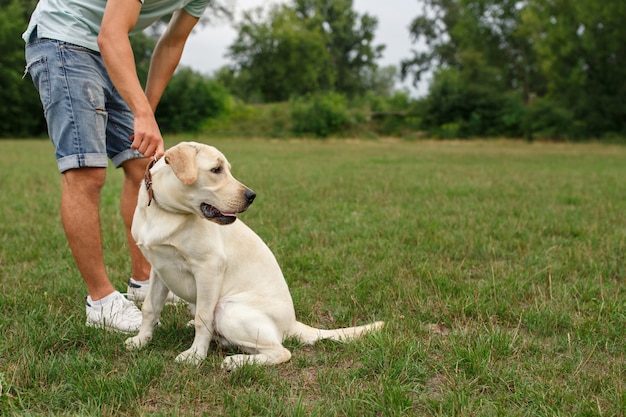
309	335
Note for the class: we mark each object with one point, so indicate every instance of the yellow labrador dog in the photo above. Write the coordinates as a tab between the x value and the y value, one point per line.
186	226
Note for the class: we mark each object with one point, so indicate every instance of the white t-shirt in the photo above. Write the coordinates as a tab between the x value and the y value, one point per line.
78	21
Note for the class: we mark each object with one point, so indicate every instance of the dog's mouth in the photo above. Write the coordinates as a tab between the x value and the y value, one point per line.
217	216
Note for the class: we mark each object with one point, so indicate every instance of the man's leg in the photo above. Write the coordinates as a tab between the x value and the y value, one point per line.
134	170
77	131
80	198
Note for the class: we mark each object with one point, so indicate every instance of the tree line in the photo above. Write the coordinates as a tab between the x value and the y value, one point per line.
515	68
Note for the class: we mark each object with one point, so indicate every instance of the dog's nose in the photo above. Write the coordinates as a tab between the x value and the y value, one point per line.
249	195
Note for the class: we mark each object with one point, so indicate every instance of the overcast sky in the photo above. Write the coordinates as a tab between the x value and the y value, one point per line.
206	48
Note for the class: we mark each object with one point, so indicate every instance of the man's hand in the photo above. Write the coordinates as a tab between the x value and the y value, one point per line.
147	138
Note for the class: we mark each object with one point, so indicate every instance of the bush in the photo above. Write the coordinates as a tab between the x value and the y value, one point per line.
456	107
513	116
189	100
321	114
252	121
545	119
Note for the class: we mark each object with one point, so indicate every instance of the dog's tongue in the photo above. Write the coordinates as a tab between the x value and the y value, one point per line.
214	214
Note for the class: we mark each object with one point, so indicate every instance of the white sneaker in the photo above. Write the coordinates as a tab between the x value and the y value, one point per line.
138	291
119	315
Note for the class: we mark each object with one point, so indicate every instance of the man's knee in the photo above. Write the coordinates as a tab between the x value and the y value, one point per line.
134	169
88	180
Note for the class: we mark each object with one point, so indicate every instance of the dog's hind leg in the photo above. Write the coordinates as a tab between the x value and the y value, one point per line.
265	357
253	332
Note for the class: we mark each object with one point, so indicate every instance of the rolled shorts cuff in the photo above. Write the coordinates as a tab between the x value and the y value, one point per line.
124	156
90	160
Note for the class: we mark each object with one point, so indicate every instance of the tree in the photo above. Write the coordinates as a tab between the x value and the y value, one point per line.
581	50
302	47
278	57
474	36
563	61
479	59
20	108
349	40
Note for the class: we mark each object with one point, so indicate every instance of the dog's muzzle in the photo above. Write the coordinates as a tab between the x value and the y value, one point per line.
212	213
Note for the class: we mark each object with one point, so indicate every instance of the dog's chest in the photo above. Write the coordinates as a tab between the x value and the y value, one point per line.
165	257
174	269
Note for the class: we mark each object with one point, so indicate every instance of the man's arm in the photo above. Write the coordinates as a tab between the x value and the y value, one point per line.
167	53
119	19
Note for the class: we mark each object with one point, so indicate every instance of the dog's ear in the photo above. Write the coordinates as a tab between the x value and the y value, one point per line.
182	159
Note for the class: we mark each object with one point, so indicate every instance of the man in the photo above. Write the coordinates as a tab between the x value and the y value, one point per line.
81	62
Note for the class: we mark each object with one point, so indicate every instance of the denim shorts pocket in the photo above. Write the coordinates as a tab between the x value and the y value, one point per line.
74	47
38	70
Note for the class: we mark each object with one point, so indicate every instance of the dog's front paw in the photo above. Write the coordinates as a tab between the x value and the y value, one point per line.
136	342
191	357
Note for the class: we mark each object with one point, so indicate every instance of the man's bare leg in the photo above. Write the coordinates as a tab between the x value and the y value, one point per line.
80	198
134	170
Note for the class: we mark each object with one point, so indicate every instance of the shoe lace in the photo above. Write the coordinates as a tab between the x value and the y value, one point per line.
127	309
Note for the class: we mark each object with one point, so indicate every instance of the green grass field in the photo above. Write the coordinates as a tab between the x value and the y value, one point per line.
498	266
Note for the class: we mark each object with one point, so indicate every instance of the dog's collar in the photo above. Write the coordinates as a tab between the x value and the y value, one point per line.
147	179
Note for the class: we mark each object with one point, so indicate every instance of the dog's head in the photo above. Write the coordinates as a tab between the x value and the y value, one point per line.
199	181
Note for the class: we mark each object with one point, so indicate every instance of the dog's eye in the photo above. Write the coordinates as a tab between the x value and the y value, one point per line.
216	170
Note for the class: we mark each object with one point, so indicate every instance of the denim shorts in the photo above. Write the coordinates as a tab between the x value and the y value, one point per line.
88	121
